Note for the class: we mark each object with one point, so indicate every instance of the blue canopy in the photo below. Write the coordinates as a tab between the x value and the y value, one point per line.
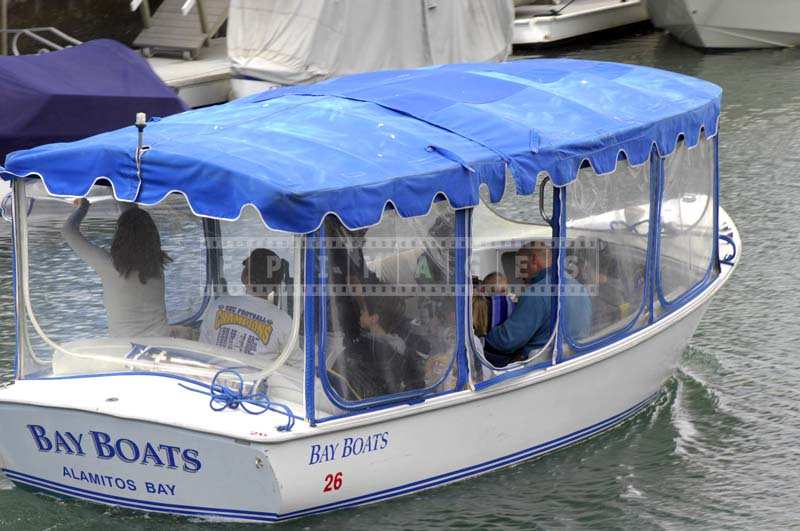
352	145
77	92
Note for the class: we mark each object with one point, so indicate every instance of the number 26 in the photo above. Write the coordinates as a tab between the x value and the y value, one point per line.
333	482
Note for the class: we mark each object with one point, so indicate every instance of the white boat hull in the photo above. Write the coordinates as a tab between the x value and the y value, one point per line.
443	440
582	17
155	446
729	23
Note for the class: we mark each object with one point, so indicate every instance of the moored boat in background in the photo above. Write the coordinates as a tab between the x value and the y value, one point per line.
272	43
729	23
547	21
72	93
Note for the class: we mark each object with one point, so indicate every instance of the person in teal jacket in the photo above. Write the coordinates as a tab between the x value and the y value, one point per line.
530	325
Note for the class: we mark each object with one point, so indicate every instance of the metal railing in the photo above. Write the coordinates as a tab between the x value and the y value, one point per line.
37	35
43	36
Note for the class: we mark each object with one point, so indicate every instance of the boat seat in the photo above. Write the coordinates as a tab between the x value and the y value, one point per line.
113	356
286	384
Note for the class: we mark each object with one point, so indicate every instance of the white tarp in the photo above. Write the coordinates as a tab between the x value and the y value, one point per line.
297	41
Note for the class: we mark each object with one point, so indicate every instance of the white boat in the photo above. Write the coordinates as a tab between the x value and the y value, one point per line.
546	21
592	186
729	23
286	42
270	43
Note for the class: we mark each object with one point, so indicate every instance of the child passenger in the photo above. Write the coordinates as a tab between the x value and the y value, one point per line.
495	284
251	323
492	284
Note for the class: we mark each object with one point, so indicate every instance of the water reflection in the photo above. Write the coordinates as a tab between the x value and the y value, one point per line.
7	329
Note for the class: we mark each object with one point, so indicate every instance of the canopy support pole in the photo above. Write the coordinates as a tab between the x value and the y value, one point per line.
20	232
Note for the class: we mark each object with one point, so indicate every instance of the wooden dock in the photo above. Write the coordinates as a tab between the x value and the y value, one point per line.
172	32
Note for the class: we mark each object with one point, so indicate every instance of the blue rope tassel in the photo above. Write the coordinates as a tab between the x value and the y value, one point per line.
224	397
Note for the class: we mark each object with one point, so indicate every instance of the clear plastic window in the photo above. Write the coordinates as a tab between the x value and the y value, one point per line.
504	273
239	239
183	240
687	219
608	224
390	306
114	288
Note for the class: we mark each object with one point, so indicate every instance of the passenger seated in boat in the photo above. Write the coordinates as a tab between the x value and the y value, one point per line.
384	356
609	305
373	348
132	273
393	357
251	323
480	309
493	284
529	326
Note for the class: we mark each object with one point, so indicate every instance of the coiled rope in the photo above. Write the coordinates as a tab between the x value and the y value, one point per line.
255	403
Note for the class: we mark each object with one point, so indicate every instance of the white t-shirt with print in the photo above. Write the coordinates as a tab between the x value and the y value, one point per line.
245	324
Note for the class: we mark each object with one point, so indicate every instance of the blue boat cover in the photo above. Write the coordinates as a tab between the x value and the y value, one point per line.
351	145
76	92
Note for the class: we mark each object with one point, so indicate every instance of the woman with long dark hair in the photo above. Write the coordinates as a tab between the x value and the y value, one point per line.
132	272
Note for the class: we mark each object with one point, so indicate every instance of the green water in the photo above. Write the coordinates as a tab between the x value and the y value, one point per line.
718	450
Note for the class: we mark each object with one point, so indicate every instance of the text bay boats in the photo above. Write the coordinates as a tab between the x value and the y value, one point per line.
388	192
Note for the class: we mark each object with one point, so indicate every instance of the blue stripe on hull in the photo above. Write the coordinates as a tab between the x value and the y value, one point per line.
434	481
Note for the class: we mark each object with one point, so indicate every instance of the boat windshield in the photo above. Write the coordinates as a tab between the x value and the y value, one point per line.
115	289
504	273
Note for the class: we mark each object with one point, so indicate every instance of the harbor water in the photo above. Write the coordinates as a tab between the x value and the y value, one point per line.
719	448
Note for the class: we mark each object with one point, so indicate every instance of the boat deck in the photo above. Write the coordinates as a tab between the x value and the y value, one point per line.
157	398
204	81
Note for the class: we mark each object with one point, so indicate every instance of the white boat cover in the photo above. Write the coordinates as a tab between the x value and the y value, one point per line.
292	41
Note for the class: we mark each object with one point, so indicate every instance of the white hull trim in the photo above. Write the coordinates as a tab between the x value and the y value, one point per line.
200	82
276	476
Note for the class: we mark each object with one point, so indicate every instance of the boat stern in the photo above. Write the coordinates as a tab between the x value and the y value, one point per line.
134	463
